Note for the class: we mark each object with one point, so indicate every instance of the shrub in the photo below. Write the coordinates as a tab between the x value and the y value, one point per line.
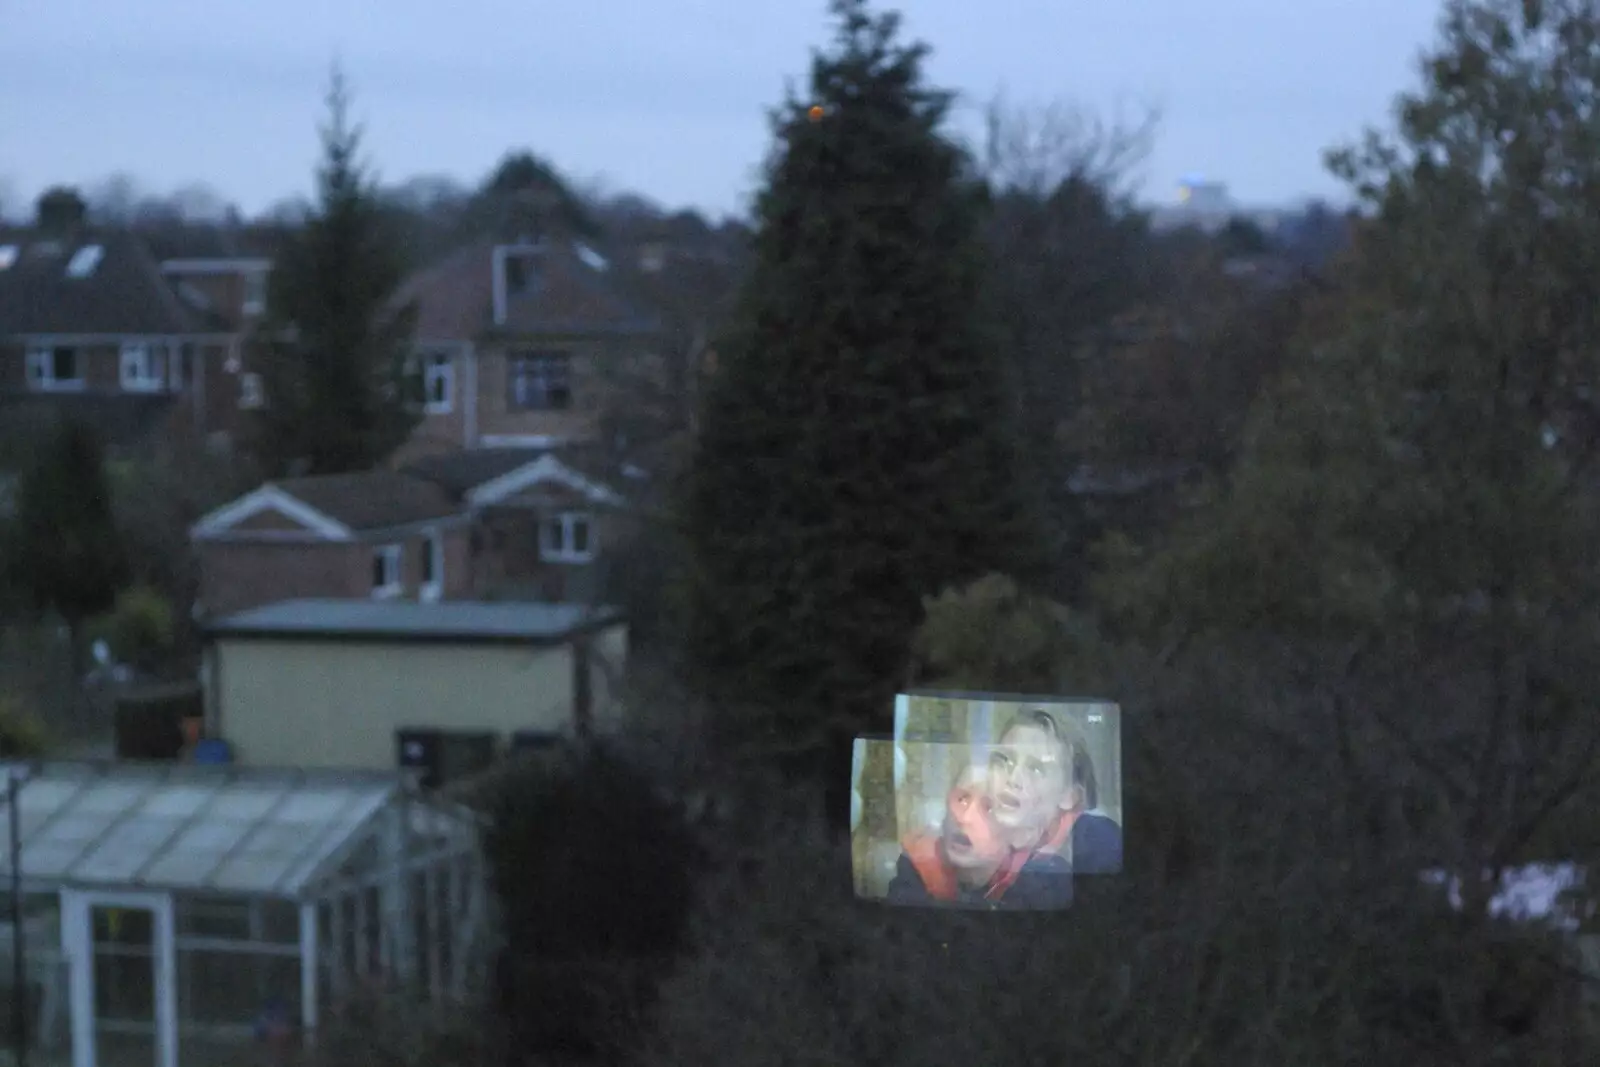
593	867
992	635
21	732
388	1028
140	629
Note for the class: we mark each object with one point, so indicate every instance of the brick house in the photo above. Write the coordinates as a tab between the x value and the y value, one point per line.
548	523
514	343
486	524
91	321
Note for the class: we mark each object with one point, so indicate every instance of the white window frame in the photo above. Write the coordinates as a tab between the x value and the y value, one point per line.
393	560
41	369
139	357
554	549
432	588
536	376
438	367
252	394
85	260
255	292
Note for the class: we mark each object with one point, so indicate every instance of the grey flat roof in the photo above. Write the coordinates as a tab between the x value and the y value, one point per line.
192	828
400	620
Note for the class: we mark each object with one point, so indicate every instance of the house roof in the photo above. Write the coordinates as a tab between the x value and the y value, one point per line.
195	829
462	471
451	621
124	293
454	298
371	500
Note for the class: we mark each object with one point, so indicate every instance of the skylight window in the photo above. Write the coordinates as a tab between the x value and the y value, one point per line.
84	261
8	256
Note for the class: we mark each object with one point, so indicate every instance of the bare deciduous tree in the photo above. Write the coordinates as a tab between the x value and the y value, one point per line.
1035	148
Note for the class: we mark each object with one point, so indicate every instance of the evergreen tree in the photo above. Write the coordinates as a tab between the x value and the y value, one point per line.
854	454
525	196
333	350
1417	490
65	553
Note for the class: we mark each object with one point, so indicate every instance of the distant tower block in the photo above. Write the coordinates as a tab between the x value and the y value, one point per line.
1199	195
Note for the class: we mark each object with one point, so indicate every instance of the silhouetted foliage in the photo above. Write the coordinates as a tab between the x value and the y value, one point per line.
1243	237
855	452
333	350
526	196
593	866
61	209
63	551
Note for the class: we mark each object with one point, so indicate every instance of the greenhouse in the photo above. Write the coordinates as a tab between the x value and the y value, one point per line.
174	912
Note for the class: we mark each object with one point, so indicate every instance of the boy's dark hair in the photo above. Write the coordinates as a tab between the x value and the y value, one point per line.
1074	750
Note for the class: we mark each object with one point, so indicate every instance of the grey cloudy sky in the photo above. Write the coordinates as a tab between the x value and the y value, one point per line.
663	97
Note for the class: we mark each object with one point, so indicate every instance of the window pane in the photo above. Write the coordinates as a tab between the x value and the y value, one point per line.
64	364
540	381
379	571
555	536
580	535
427	560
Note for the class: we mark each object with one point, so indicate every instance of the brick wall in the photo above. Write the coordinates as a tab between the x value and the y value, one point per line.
13	366
101	367
237	575
495	416
508	562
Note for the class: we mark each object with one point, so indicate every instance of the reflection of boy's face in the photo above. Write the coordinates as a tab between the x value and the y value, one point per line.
971	837
1026	778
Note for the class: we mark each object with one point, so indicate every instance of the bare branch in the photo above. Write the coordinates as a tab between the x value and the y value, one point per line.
1455	790
1035	148
1580	774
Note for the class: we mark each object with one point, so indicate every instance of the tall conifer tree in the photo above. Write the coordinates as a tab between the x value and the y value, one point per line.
854	454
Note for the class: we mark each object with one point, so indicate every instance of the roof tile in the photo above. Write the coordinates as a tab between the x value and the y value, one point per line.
455	298
125	293
372	500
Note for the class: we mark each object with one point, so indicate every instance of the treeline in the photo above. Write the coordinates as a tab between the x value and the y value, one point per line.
1321	522
1353	644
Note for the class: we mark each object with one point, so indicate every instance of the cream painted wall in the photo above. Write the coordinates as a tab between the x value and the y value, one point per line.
338	704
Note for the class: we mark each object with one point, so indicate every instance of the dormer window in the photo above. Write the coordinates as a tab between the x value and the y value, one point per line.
522	274
517	269
84	261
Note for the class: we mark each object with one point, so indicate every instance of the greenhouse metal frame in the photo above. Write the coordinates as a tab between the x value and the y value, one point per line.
173	911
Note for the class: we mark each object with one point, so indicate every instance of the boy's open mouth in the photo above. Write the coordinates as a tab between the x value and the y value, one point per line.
961	840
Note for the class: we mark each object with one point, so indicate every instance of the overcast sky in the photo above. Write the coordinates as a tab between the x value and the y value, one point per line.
663	97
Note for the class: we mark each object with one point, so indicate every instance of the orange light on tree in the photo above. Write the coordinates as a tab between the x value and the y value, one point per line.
816	113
